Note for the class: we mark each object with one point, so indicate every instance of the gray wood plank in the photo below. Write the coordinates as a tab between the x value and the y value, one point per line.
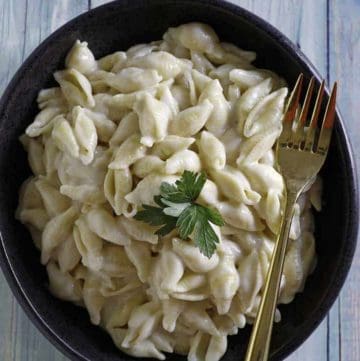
344	67
334	334
44	17
12	29
96	3
23	25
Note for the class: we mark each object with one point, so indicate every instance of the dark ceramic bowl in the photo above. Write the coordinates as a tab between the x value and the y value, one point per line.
119	25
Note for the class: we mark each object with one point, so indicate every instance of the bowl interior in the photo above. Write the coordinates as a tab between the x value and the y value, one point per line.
114	27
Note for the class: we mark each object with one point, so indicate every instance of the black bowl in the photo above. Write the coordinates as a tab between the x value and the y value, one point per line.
119	25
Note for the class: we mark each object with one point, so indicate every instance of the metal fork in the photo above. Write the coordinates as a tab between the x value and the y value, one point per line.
300	151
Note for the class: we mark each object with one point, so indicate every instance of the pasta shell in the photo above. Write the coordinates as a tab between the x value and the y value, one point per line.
266	114
218	119
68	255
181	161
54	202
195	36
55	231
64	137
43	122
147	188
167	65
128	153
35	150
249	99
170	145
85	134
233	184
113	62
81	58
139	231
89	245
63	285
189	121
132	79
147	165
116	185
212	151
106	226
140	255
193	258
75	87
128	126
153	116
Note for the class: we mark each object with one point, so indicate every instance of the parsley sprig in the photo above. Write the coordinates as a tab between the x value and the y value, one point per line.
178	209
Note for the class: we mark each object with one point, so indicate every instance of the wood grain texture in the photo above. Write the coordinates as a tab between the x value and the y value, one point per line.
96	3
12	30
23	25
328	31
344	54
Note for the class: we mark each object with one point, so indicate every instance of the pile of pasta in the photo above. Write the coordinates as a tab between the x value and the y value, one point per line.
105	139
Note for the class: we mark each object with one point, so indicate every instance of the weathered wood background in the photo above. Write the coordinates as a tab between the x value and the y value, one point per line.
328	31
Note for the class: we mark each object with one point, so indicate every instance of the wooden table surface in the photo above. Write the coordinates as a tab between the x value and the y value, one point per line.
328	31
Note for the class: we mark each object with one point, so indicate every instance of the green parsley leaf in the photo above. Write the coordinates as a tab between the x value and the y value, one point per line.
152	215
195	218
186	189
214	216
177	209
157	200
174	209
168	227
205	238
191	184
187	221
156	217
171	193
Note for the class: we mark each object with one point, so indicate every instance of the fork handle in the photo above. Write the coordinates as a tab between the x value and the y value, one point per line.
258	349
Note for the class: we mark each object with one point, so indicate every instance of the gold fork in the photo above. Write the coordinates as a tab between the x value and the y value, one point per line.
300	152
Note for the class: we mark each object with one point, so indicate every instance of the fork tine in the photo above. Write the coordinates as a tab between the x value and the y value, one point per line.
299	135
290	111
310	137
306	105
328	122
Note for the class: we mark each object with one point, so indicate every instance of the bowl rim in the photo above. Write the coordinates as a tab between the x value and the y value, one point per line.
297	54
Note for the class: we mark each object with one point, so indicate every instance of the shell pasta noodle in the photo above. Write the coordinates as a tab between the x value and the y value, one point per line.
106	138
